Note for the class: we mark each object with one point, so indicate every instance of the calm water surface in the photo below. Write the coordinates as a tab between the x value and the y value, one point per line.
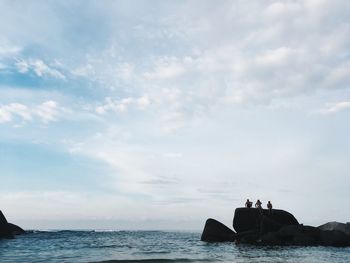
151	246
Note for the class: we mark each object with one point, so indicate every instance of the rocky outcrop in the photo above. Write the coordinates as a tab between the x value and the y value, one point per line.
248	219
305	236
8	230
214	231
276	227
281	228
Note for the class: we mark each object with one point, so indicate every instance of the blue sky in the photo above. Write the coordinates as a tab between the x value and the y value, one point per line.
160	114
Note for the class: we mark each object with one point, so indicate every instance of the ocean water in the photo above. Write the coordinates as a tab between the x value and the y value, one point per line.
151	246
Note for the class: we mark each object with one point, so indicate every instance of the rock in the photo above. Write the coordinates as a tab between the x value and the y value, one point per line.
250	238
336	226
296	235
335	238
277	228
303	239
306	236
271	239
247	237
8	230
269	225
246	219
3	220
15	230
215	231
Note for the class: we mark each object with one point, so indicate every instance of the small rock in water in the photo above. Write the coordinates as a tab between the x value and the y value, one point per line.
8	230
214	231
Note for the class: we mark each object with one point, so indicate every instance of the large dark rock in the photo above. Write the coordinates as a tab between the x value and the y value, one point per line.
334	238
8	230
247	219
292	235
305	236
267	225
277	227
215	231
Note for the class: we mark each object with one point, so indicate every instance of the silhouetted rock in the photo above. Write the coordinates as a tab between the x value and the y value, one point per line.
267	225
8	230
305	236
3	220
336	226
246	219
335	238
215	231
277	227
290	235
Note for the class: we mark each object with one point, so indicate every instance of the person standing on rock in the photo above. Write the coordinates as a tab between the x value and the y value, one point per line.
258	204
248	204
269	206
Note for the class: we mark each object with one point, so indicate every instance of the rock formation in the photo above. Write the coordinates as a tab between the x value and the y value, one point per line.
8	230
306	236
276	227
214	231
247	219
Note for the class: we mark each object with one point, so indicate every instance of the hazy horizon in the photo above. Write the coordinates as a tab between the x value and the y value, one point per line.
161	114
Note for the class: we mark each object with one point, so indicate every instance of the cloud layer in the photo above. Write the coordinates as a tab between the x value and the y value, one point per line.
190	105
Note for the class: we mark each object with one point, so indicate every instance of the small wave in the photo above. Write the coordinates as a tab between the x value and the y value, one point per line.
106	230
57	231
159	260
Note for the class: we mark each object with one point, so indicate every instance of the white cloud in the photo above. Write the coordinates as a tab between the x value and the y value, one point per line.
7	49
332	108
46	112
263	59
22	66
5	115
276	57
39	67
167	68
7	112
280	10
124	104
84	71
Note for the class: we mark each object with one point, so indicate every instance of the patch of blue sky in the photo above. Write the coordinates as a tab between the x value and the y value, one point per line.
90	30
35	167
73	86
69	127
19	80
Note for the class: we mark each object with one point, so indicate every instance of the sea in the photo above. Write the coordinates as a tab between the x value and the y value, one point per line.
151	246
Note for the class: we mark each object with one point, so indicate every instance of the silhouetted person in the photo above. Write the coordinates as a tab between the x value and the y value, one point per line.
269	206
258	204
248	204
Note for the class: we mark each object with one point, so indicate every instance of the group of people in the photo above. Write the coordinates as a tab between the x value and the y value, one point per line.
258	204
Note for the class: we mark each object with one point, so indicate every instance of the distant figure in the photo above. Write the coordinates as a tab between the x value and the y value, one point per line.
248	204
258	204
269	206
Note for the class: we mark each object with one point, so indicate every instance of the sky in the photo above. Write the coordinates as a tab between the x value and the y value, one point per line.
161	114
